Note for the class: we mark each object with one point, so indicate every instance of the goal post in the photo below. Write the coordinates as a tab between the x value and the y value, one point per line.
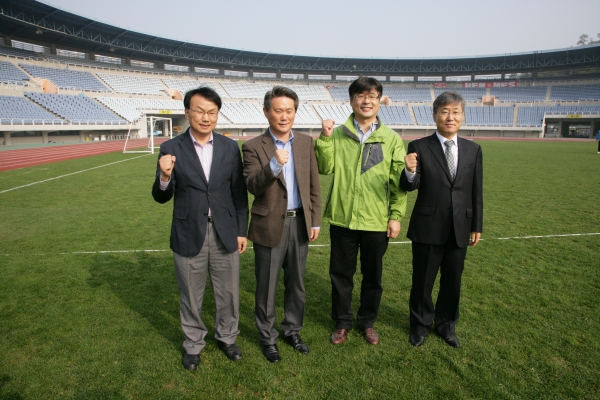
136	144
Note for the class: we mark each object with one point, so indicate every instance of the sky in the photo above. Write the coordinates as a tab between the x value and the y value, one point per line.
352	28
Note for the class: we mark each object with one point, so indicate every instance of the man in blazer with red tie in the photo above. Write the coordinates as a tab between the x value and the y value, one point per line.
446	219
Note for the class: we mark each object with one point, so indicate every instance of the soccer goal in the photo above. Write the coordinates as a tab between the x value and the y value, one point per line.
136	144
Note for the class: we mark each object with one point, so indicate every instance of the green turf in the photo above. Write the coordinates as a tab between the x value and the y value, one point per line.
106	325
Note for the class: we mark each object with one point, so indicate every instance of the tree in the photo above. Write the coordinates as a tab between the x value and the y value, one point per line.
583	40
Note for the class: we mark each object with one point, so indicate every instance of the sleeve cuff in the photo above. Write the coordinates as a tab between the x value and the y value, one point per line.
410	176
164	185
275	167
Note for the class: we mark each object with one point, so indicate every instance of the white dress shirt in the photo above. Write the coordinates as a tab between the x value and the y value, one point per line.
410	176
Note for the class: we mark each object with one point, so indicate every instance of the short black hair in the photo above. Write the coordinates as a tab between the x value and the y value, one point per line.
280	91
448	97
204	91
364	84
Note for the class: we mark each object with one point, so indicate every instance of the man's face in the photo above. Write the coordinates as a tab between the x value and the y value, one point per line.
365	105
448	119
281	115
202	115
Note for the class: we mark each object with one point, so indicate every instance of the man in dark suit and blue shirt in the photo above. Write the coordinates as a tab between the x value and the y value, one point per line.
203	172
281	172
446	219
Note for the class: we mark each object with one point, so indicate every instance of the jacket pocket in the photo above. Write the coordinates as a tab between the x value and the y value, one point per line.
372	155
180	213
180	226
469	213
259	210
424	210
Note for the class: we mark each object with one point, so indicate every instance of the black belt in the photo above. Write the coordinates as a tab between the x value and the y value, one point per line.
293	213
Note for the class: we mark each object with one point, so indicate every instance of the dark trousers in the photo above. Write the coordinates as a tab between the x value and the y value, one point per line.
345	244
428	259
290	255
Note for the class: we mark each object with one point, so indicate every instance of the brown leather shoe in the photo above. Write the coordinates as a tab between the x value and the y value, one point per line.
339	336
370	335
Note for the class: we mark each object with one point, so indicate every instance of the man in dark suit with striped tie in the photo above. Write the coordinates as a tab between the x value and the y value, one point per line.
446	219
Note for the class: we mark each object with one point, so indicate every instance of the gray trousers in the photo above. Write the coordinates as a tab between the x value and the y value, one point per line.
268	261
224	269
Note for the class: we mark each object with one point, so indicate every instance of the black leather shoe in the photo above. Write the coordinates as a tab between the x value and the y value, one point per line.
416	340
231	350
297	343
452	340
271	352
191	361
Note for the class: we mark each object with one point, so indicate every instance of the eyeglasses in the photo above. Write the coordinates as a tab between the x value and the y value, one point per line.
371	96
445	113
201	113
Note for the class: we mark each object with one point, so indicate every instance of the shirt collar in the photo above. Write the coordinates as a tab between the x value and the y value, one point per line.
275	140
443	139
198	143
374	126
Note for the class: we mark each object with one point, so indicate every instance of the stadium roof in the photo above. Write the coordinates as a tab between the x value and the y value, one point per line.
39	23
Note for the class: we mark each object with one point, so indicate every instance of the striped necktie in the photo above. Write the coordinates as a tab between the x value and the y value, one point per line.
450	157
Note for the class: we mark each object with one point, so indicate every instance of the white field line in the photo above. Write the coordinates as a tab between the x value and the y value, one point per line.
327	245
72	173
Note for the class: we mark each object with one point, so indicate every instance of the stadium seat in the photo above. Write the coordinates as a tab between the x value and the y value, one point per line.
133	84
75	109
11	74
66	79
18	110
129	109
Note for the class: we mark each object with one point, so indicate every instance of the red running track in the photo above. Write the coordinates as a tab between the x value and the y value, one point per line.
21	158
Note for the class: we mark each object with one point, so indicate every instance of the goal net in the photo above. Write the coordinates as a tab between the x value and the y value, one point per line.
159	129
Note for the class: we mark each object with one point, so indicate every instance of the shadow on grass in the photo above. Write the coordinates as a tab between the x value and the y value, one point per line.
4	380
146	284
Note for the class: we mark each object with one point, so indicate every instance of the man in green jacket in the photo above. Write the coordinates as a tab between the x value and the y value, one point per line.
364	207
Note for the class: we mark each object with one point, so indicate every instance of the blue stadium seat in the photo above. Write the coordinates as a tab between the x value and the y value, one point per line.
19	110
11	74
66	79
76	109
575	92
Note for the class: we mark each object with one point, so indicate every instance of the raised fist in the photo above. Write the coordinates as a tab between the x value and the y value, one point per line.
410	161
282	156
327	125
166	164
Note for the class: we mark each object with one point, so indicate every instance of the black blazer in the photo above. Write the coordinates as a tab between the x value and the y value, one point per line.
443	205
225	194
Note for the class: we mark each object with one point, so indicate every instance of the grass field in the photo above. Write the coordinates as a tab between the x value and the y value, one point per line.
80	319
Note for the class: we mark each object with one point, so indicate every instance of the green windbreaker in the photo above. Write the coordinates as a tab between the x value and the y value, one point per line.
365	193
